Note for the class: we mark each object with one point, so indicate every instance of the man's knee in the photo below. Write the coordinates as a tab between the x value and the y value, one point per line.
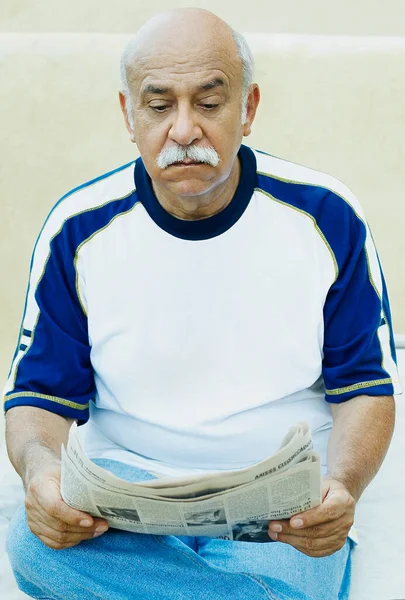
24	549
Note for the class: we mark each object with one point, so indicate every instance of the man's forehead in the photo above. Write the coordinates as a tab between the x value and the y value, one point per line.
152	85
193	68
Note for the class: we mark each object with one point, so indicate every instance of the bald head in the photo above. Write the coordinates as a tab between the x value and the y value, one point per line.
183	30
173	37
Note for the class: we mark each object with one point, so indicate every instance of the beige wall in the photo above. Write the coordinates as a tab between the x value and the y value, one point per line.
327	17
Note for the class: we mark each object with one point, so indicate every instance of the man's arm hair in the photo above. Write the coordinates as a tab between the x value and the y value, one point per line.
361	434
34	437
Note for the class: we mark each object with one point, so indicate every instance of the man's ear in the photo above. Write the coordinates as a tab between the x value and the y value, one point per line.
252	104
127	118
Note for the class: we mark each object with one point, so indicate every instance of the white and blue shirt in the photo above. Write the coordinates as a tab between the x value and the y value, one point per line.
195	345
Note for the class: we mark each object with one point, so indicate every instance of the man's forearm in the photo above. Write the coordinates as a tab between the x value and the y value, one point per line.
360	437
34	437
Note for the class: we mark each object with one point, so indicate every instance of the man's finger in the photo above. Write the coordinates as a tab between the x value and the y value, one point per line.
335	504
313	546
59	510
78	520
53	504
324	513
56	545
37	513
321	531
61	538
61	527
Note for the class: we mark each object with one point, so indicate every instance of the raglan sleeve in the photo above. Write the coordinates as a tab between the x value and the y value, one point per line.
51	368
359	351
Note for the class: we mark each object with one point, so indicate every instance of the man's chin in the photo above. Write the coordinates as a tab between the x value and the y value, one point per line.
187	189
185	183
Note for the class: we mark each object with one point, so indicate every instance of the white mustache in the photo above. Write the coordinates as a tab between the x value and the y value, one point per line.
176	154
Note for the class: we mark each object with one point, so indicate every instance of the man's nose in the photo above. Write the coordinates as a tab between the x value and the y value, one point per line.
185	129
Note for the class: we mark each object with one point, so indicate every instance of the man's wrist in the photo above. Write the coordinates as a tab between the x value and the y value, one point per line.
37	458
349	483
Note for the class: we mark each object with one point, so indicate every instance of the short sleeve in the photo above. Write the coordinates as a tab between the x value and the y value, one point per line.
51	368
359	352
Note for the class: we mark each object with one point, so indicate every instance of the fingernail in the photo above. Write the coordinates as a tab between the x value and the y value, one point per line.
276	528
297	523
85	523
274	536
100	529
98	533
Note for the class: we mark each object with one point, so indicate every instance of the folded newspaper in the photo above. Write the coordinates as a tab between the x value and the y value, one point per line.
233	505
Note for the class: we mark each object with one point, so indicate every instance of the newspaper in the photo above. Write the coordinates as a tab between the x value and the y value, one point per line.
233	505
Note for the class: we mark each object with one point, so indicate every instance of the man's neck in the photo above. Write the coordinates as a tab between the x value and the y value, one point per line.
204	205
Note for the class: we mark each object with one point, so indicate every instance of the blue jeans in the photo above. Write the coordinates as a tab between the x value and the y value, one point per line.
123	566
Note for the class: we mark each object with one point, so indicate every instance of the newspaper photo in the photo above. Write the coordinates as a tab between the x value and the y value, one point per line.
234	505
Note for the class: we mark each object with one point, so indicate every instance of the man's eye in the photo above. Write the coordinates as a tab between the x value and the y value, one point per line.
209	106
160	108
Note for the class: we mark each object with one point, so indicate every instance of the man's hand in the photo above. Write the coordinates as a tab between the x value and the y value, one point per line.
55	523
322	530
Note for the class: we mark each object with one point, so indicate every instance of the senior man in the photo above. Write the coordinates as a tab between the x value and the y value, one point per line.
189	307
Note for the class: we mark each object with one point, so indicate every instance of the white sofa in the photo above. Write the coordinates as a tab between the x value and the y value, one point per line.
333	103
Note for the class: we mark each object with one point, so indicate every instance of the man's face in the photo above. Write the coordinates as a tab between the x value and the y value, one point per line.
194	100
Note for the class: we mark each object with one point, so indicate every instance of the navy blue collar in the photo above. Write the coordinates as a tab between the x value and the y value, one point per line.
201	229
